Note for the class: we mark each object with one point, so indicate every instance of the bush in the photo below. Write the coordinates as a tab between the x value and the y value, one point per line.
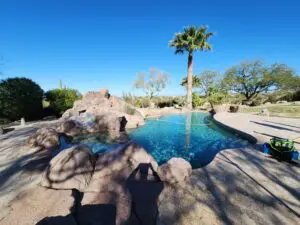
142	102
62	99
168	101
129	110
236	99
129	98
258	100
159	101
197	100
20	97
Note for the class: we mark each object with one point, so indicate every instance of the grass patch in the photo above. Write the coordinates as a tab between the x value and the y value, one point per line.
275	110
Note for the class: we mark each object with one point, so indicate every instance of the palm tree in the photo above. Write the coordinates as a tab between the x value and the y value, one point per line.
196	83
190	40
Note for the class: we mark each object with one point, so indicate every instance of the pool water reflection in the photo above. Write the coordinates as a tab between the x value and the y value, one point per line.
192	136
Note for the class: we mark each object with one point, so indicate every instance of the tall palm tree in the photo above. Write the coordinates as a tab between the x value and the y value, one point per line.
190	40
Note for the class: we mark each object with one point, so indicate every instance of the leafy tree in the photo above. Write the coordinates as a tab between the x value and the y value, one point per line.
197	100
20	97
152	84
252	78
196	82
211	87
192	39
285	78
62	99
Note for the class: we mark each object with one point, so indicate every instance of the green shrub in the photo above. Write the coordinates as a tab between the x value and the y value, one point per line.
197	100
129	98
4	121
129	110
236	99
20	97
138	103
62	99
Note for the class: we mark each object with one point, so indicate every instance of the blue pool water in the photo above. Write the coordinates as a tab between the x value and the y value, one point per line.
192	136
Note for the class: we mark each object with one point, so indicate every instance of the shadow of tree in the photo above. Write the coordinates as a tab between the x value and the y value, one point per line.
224	192
33	162
275	126
102	214
292	191
288	125
23	132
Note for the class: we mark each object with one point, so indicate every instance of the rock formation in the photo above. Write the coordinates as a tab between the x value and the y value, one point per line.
101	104
96	112
101	177
45	138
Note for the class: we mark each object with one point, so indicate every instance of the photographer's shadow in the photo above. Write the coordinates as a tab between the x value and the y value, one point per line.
144	186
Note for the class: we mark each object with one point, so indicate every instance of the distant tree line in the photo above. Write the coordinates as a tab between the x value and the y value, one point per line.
248	79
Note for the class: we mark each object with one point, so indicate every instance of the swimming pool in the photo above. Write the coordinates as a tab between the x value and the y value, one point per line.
192	136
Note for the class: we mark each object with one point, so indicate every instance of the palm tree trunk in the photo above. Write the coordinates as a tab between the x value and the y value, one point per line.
189	82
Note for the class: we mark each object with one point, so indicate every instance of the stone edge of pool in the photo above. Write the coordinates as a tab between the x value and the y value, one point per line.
249	137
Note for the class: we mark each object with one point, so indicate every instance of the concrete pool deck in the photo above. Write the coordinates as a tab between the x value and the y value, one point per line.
240	186
262	128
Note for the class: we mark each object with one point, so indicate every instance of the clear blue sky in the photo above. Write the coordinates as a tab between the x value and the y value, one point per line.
95	44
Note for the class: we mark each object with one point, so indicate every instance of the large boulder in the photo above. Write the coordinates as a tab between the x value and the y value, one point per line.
45	138
175	170
113	168
136	154
71	169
